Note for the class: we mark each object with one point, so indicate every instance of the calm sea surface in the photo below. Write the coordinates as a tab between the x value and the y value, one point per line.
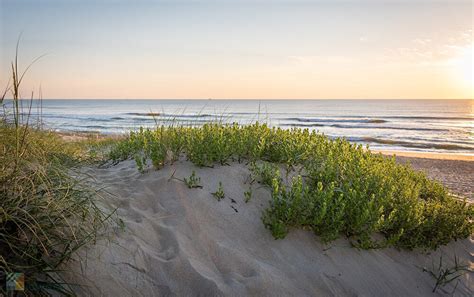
413	125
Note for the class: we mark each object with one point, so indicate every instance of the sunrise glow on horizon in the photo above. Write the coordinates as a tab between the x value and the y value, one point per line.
366	49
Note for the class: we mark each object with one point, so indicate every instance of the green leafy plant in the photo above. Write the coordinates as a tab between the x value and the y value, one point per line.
219	193
193	181
266	172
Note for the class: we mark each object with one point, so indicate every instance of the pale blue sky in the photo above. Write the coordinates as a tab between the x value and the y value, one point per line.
242	49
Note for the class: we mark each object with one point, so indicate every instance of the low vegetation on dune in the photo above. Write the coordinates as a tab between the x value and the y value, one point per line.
47	211
338	188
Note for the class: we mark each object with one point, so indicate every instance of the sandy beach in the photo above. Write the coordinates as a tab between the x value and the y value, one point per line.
183	242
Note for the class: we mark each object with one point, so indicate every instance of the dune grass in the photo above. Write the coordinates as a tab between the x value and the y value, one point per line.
47	211
339	188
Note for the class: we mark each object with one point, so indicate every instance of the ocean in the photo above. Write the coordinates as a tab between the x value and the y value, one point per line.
444	126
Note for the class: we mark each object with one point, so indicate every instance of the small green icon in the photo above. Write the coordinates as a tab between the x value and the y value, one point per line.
15	281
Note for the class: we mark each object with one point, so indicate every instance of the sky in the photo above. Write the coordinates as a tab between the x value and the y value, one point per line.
367	49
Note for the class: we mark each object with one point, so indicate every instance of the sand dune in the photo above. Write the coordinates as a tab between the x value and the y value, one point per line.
183	242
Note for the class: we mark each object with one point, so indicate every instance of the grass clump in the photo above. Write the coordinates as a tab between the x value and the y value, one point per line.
47	212
445	275
340	188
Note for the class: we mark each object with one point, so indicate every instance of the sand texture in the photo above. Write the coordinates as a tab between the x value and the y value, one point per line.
183	242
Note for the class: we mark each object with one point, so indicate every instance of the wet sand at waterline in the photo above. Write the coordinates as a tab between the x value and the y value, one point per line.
183	242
